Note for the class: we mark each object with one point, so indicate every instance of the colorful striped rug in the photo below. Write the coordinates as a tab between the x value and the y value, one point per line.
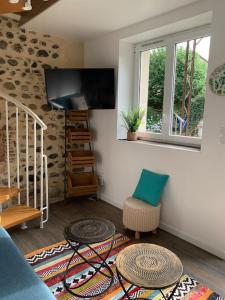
50	263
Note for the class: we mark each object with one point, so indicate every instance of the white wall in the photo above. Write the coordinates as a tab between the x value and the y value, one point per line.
194	199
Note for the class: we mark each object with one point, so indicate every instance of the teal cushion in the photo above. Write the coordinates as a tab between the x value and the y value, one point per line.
150	187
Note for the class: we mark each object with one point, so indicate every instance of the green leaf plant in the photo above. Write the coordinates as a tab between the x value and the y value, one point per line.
133	119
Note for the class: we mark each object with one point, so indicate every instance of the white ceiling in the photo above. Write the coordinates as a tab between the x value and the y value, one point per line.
87	19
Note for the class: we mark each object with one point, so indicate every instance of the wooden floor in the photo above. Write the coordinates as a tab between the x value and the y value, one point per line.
203	266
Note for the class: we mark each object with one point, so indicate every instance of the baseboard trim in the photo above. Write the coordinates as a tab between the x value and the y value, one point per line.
108	200
192	240
174	231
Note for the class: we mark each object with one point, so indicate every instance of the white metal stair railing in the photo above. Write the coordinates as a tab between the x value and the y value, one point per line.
39	161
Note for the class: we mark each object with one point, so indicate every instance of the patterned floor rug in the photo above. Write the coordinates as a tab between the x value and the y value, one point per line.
50	263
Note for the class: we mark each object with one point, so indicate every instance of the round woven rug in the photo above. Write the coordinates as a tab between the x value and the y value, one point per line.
149	266
89	230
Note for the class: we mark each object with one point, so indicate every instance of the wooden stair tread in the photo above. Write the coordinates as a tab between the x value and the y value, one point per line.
17	214
7	193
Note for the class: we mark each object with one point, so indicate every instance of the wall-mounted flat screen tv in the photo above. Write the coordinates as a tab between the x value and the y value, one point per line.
80	88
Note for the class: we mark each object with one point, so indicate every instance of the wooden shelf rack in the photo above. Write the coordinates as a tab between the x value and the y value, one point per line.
79	159
80	177
82	184
79	136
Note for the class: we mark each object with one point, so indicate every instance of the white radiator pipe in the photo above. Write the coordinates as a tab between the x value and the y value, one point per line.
27	159
17	153
46	208
7	140
35	164
41	179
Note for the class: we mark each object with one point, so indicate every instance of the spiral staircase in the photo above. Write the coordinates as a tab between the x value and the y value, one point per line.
26	200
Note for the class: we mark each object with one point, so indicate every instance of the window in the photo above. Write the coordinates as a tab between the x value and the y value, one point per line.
171	86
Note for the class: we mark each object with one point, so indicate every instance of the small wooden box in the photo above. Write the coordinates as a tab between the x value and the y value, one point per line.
79	159
78	115
82	184
79	135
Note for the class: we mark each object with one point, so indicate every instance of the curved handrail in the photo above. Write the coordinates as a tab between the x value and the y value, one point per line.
23	107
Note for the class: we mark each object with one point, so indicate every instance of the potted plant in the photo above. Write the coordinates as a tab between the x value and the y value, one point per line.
132	121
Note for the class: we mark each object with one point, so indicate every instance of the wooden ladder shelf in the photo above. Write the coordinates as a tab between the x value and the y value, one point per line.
80	182
80	159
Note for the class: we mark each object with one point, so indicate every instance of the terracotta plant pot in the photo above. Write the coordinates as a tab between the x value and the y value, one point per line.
132	136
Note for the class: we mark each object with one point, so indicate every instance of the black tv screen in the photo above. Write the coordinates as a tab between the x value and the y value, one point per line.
74	88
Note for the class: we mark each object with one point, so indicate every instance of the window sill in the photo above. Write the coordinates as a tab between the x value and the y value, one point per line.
163	145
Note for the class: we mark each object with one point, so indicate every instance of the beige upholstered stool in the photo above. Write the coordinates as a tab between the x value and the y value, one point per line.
140	216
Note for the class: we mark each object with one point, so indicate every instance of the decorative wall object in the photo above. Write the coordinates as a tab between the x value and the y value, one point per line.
23	54
217	81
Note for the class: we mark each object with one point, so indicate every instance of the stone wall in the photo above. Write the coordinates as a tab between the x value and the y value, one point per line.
23	55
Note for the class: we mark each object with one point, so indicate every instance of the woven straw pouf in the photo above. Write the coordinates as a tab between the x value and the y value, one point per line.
140	216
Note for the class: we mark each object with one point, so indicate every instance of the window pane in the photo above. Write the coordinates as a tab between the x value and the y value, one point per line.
152	86
190	86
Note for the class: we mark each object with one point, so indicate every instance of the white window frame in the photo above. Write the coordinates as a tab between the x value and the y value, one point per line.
169	42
